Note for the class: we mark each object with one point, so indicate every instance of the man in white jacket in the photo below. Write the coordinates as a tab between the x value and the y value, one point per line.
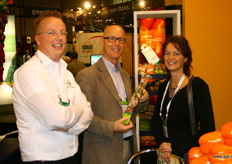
50	108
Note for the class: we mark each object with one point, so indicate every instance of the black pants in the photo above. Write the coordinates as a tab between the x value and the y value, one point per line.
69	160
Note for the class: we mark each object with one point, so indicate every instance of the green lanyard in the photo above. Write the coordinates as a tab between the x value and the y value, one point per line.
64	103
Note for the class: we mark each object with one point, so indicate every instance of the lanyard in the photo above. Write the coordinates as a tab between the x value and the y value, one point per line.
117	78
58	90
165	92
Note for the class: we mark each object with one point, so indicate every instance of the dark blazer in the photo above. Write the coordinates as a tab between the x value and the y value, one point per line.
101	145
75	66
179	129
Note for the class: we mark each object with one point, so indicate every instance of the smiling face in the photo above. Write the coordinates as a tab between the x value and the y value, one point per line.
113	50
174	59
49	37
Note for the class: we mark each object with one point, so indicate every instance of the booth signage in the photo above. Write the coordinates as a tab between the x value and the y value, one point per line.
120	8
35	11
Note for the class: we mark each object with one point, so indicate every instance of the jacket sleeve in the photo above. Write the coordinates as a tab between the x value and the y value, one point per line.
203	113
99	126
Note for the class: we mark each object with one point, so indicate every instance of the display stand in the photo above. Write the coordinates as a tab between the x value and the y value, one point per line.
174	14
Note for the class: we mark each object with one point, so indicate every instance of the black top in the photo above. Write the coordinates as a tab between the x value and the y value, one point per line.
178	123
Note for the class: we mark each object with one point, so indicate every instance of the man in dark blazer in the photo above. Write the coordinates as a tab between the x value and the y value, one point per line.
75	65
107	140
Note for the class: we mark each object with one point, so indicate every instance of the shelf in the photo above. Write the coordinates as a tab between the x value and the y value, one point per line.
155	76
142	115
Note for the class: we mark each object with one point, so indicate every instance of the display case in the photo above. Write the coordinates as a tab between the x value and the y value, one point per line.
151	28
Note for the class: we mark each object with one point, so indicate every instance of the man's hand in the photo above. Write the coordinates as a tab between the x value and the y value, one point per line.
120	127
145	96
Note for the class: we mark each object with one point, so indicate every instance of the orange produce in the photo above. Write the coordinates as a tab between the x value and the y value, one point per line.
142	69
228	141
194	153
146	23
220	162
222	158
226	131
221	153
158	29
220	149
201	160
207	140
158	36
145	37
157	47
150	69
145	34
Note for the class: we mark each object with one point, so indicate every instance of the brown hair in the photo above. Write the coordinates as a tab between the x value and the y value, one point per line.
47	13
181	44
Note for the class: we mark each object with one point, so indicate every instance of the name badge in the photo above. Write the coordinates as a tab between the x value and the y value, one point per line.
165	128
64	103
124	105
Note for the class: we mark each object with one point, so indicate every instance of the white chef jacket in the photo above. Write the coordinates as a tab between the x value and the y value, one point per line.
39	85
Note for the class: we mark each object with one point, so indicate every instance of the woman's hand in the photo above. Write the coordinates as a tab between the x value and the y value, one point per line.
165	151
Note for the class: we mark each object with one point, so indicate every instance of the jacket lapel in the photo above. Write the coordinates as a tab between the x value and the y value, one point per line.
126	84
107	80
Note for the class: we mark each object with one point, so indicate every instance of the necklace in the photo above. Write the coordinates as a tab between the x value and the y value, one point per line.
165	92
170	88
171	91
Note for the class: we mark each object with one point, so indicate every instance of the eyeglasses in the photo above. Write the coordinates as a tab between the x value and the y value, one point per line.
113	39
53	33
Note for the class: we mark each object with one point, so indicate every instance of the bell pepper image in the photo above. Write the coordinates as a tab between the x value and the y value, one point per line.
152	33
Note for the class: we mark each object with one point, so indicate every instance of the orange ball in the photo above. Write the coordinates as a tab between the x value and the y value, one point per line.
218	149
228	141
194	153
201	160
207	140
226	130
